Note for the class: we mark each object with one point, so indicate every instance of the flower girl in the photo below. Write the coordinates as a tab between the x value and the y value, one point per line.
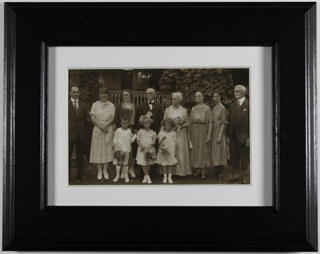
122	140
146	154
167	148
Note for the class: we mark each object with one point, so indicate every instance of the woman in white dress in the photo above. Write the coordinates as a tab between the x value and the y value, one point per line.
102	116
179	115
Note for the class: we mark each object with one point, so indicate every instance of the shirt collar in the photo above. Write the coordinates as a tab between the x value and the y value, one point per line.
74	100
241	101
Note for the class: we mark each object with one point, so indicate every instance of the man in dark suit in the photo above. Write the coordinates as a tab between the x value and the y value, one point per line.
78	115
152	108
238	130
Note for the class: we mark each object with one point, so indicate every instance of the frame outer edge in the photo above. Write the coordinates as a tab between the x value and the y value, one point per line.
276	125
43	125
9	126
311	127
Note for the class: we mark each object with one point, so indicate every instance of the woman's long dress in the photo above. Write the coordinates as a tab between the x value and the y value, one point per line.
200	118
220	152
182	150
101	142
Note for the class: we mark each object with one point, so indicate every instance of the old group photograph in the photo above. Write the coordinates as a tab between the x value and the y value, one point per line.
159	126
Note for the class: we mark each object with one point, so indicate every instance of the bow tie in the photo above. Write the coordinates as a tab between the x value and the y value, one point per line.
150	102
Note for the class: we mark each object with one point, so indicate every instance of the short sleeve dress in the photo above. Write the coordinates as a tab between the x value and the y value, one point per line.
122	142
146	139
167	156
101	142
182	149
219	152
200	118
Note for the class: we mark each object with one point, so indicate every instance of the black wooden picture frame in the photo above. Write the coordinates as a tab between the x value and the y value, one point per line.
289	225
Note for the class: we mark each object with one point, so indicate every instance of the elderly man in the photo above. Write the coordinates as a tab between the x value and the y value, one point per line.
150	107
78	116
238	131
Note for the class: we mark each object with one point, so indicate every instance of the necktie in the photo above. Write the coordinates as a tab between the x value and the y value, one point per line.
238	101
150	104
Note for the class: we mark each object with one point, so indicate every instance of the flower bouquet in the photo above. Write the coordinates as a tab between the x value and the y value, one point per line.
120	156
150	155
178	121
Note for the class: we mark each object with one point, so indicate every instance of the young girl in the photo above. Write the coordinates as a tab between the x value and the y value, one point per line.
146	154
167	149
122	140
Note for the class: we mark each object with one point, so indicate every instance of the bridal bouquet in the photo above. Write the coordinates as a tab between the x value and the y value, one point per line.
178	121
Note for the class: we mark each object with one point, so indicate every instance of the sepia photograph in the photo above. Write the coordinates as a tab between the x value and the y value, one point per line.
159	126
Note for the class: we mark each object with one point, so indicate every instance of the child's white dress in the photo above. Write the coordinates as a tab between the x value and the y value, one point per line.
122	142
167	148
146	139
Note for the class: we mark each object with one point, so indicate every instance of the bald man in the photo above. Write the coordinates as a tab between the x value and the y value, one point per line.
238	130
151	107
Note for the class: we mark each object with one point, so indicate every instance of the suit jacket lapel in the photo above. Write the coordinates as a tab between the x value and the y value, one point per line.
244	104
72	107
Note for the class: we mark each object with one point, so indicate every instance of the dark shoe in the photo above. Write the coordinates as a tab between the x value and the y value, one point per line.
196	172
203	174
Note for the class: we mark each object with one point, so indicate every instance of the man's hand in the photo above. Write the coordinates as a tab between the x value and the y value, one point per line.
218	141
208	139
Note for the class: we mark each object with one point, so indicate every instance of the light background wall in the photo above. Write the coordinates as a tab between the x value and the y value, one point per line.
1	71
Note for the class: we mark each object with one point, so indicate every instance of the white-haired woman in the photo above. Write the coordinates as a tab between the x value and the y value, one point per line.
179	115
200	136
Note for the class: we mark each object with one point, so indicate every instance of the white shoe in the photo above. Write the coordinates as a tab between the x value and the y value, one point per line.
116	179
99	176
149	180
164	179
105	174
170	180
144	179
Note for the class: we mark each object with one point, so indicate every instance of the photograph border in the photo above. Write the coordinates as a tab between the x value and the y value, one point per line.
229	68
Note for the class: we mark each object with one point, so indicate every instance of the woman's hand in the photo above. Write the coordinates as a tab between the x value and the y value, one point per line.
104	128
208	139
218	140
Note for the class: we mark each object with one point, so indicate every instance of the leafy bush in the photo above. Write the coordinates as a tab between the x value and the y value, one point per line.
189	81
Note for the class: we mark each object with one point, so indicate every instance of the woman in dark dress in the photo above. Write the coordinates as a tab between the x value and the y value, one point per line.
127	108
